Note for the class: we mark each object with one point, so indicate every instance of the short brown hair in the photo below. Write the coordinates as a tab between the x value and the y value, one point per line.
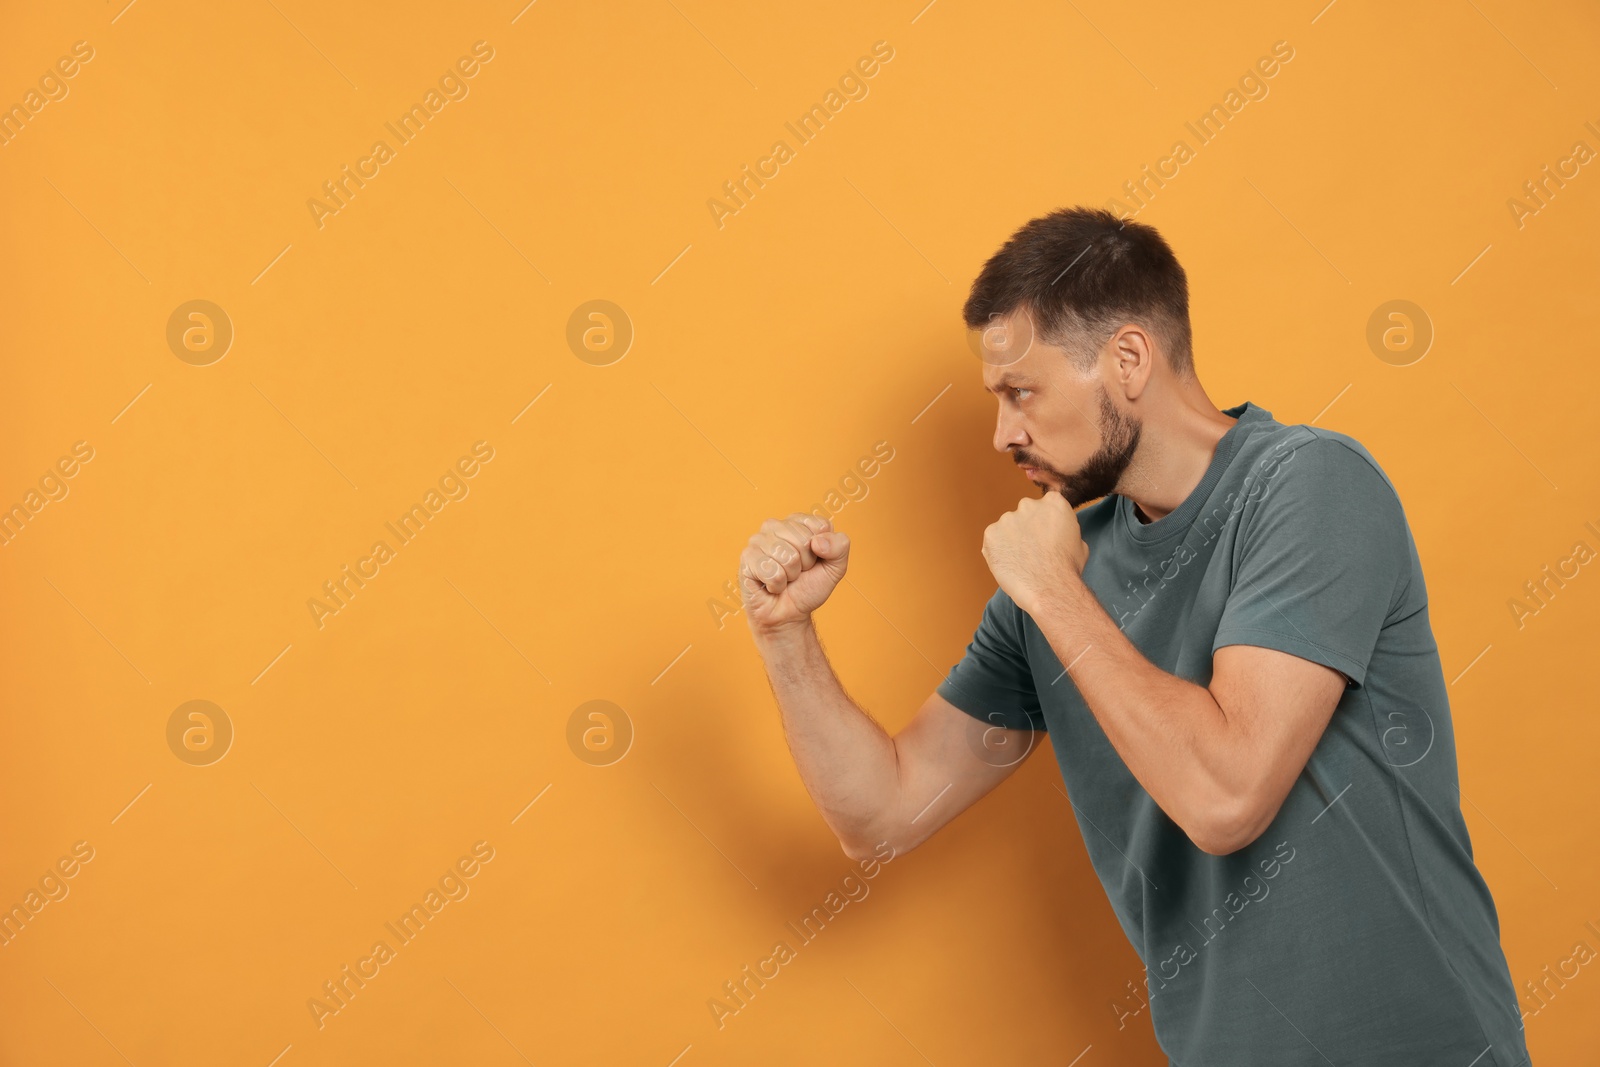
1082	273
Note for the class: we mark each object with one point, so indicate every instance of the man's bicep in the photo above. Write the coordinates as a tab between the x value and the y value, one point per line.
975	729
949	759
1280	705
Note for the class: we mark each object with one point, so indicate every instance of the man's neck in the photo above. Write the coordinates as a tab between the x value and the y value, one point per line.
1174	456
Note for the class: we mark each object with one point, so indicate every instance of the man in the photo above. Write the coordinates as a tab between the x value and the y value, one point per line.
1232	654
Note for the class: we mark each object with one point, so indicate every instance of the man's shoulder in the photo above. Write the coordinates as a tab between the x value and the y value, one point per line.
1312	486
1317	458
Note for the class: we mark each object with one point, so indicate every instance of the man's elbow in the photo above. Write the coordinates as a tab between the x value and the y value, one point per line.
1228	827
881	850
854	850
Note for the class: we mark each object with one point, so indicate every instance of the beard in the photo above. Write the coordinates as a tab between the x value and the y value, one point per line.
1099	476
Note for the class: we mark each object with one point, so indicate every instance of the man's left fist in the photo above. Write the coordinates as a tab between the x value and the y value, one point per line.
1036	548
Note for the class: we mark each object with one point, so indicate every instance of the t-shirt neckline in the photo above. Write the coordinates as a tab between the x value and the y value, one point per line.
1181	517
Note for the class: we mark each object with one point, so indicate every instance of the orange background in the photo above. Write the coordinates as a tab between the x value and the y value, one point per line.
770	354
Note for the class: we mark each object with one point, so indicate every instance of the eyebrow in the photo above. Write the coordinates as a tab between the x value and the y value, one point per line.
1008	380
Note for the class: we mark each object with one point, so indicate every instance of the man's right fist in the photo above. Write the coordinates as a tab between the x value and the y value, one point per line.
789	569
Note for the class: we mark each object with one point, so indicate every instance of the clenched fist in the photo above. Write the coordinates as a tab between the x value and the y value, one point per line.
789	569
1035	548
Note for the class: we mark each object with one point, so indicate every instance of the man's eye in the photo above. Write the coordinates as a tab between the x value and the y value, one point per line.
1017	391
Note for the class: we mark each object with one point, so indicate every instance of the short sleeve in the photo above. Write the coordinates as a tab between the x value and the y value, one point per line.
992	682
1319	560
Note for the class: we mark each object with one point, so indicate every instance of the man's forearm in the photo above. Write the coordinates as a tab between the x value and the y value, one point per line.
846	760
1171	733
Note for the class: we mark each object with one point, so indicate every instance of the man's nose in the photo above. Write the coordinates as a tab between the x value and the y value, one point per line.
1008	432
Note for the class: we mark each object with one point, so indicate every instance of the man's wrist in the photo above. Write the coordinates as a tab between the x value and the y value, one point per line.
782	636
1060	604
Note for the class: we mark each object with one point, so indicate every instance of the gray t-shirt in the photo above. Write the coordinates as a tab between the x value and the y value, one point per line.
1356	929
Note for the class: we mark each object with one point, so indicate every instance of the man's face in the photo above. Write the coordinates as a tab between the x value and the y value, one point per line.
1058	423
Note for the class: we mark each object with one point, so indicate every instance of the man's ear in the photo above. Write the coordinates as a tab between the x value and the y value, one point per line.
1135	353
